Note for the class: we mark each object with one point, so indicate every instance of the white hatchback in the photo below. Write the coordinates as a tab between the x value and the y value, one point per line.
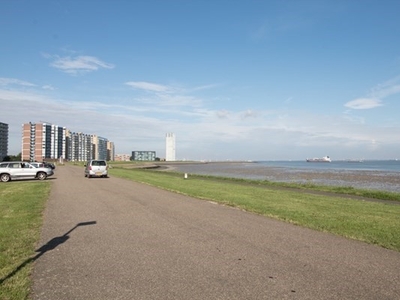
96	168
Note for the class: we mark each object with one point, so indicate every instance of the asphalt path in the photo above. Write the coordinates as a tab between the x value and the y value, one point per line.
113	238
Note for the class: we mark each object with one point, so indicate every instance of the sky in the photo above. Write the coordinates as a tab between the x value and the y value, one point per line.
233	80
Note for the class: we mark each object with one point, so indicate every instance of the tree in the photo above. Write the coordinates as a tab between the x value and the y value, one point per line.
12	157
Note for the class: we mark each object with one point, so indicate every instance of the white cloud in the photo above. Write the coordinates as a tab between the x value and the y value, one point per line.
204	87
79	64
379	92
249	114
162	95
179	100
222	114
202	132
13	81
288	100
364	103
386	89
148	86
354	119
48	87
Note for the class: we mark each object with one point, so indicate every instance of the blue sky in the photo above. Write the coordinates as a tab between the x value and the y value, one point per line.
234	80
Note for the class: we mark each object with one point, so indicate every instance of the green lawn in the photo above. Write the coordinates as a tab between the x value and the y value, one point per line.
21	208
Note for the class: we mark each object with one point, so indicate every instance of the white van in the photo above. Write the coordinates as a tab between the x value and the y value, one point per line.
96	168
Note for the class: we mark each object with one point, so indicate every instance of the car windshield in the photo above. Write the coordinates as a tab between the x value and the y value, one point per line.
98	163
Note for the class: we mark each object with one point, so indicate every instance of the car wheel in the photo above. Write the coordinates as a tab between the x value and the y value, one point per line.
5	177
41	175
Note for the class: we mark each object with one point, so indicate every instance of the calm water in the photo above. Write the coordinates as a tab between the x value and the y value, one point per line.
367	165
369	174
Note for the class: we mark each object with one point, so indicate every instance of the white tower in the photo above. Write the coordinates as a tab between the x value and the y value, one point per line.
170	147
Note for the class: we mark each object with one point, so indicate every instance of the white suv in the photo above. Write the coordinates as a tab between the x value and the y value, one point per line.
12	170
96	168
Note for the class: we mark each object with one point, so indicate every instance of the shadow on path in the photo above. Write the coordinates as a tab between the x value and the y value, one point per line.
50	245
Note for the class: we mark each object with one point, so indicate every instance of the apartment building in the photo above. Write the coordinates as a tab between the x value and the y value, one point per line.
79	146
3	140
110	151
99	147
43	141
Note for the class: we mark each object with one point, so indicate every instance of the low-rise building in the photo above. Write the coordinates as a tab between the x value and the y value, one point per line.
122	157
144	155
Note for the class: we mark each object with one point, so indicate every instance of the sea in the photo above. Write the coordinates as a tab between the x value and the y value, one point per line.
381	175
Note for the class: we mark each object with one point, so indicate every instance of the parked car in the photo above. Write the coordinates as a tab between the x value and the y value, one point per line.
37	164
16	170
49	165
96	168
43	164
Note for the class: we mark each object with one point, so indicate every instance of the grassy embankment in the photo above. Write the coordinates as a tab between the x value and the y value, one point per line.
369	221
21	208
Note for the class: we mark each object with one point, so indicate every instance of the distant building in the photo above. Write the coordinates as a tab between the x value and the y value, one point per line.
122	157
110	151
84	147
144	155
80	147
99	147
3	140
170	147
43	141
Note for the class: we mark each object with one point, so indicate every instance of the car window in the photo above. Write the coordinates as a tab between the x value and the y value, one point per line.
98	163
3	165
15	165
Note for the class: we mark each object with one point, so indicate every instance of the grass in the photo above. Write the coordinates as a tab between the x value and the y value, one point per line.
369	221
341	190
345	190
21	208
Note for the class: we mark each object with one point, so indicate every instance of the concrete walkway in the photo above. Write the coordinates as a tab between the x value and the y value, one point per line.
116	239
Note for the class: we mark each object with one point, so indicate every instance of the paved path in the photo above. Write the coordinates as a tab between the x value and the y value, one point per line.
116	239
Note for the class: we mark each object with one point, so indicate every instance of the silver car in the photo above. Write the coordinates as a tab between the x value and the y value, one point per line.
96	168
37	164
16	170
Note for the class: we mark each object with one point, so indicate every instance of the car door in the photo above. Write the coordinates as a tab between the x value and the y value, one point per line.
15	170
28	171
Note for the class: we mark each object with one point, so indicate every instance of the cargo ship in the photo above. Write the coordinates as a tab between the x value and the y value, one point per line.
323	159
